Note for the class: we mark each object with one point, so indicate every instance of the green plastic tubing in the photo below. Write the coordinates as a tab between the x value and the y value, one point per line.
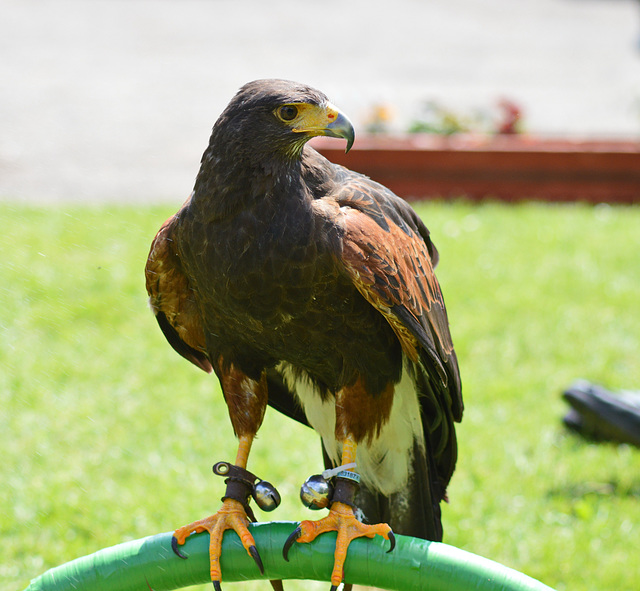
415	564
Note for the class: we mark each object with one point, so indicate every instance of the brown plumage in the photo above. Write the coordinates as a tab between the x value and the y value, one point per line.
311	288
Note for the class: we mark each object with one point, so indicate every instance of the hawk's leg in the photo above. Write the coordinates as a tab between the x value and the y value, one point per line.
246	399
232	515
342	519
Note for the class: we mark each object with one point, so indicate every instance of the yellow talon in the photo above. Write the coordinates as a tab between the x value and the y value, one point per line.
342	520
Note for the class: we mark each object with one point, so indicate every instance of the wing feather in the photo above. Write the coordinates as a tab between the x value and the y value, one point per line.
390	257
387	251
172	300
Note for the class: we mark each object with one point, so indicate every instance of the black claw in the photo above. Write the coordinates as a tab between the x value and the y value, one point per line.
392	539
256	556
174	547
216	585
290	540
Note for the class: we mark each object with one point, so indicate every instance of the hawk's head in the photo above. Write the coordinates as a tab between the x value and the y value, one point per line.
280	116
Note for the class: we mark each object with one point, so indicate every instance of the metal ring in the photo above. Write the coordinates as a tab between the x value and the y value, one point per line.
347	475
221	468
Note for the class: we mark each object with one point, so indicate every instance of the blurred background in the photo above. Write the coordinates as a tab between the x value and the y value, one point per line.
114	99
105	109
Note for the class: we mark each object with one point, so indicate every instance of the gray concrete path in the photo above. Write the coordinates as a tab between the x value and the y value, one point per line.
114	99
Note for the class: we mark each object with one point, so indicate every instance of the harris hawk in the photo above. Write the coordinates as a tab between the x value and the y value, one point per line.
311	288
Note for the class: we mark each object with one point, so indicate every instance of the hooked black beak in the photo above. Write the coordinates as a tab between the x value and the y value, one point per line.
341	127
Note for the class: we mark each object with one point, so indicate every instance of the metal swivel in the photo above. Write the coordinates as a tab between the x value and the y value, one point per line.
241	484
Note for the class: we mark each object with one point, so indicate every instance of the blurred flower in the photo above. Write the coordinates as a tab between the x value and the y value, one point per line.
379	118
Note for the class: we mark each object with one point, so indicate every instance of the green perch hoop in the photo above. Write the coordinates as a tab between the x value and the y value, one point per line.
415	565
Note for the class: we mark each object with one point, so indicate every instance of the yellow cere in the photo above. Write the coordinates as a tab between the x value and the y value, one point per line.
312	118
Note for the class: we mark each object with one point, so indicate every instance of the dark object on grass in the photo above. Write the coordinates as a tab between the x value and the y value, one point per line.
601	415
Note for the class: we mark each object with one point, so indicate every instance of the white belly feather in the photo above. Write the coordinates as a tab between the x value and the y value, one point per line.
384	463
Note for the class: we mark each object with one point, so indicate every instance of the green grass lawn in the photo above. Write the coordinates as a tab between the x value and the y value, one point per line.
108	435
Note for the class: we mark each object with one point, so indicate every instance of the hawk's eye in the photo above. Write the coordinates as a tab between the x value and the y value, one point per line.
288	112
